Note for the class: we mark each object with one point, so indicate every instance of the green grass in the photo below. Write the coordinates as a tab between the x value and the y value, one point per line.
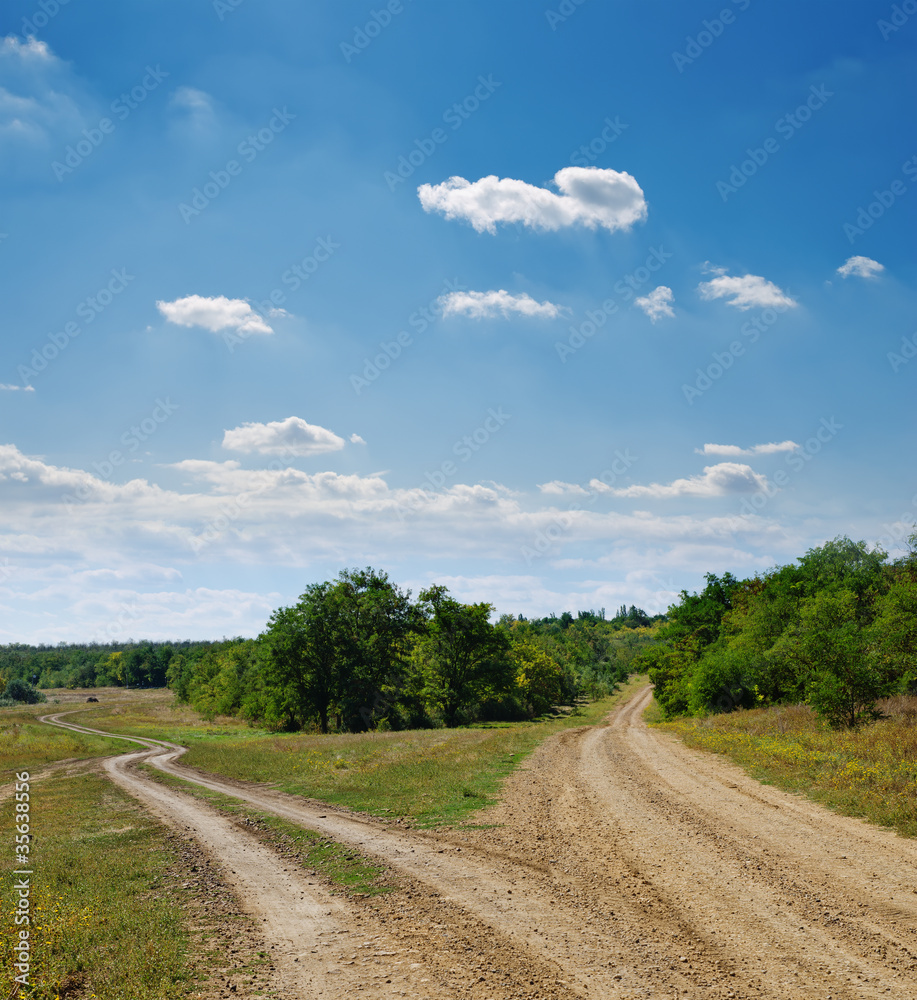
104	922
432	777
870	772
29	745
340	865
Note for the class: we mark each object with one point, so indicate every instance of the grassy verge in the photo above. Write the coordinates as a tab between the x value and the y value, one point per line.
102	921
432	777
869	772
341	866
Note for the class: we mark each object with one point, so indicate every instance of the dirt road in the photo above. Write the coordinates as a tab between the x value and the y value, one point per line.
621	865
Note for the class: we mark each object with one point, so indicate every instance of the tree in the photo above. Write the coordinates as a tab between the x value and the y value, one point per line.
467	656
375	623
539	677
828	644
304	649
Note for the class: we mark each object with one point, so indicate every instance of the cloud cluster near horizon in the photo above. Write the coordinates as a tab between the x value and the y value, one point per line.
589	196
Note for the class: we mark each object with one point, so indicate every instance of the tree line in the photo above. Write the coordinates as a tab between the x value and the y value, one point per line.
357	653
836	629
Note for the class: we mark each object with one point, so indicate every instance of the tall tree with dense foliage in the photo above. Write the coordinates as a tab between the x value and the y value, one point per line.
467	656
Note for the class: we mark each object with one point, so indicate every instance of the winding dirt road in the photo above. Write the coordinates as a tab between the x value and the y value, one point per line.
621	864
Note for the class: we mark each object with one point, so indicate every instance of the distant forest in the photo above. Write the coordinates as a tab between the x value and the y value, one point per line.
357	653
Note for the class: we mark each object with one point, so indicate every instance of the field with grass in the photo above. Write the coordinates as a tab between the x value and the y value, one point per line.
431	777
870	772
103	919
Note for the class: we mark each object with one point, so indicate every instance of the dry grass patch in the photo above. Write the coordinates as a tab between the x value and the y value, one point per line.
870	772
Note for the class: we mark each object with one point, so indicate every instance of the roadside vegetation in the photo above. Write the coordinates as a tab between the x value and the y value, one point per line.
836	631
868	771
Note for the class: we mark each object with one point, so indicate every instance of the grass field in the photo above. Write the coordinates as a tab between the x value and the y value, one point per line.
869	772
431	777
103	919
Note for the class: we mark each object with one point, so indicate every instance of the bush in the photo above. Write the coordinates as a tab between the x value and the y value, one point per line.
22	691
722	682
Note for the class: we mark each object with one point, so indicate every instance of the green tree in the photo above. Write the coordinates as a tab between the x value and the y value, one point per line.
303	643
467	656
830	648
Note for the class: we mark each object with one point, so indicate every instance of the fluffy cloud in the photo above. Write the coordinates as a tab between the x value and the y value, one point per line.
748	292
292	436
4	387
589	196
216	314
860	267
734	451
485	305
658	303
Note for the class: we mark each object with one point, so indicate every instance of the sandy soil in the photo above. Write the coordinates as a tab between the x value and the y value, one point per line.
621	864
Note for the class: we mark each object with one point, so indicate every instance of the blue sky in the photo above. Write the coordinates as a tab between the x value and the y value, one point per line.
559	305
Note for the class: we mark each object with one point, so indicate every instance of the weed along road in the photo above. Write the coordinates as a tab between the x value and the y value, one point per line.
617	863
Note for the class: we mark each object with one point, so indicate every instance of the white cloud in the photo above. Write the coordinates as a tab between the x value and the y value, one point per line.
860	267
15	388
734	451
658	303
215	314
484	305
589	196
748	292
292	436
708	268
356	439
723	479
